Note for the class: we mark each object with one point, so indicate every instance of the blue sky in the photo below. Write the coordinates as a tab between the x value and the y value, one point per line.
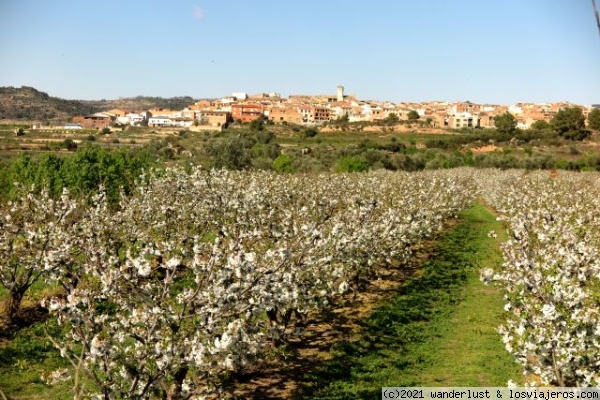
487	51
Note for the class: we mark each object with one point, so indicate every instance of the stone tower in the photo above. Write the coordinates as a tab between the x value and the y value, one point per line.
340	93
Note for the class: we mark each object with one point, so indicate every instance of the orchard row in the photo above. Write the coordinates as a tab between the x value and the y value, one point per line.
200	273
550	273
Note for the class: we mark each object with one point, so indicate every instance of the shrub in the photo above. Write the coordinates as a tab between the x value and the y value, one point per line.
310	132
352	164
283	163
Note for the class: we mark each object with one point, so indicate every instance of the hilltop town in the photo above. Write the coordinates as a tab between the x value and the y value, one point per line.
315	110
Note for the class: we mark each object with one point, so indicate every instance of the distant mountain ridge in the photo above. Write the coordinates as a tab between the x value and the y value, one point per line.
29	104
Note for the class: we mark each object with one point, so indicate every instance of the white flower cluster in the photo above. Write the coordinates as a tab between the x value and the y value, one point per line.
202	272
34	241
550	272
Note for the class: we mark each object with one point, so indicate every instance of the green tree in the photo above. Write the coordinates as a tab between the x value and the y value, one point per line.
540	126
283	163
570	123
392	119
257	125
69	144
230	153
352	164
506	123
309	132
594	119
344	119
413	115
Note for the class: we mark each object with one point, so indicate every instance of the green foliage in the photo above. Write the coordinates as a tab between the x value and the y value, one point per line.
264	136
594	119
393	118
366	144
173	103
309	132
540	126
257	125
352	164
265	150
82	172
437	144
393	146
283	163
506	123
570	123
69	144
105	130
230	153
25	358
343	120
413	115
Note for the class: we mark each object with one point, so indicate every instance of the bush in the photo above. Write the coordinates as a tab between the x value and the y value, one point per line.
283	163
257	125
540	126
309	132
69	144
352	164
230	153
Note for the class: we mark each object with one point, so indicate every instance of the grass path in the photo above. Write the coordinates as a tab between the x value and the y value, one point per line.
440	329
469	351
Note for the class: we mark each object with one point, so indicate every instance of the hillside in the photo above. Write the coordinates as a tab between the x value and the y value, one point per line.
29	104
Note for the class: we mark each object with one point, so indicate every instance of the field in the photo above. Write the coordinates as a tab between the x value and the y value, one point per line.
190	282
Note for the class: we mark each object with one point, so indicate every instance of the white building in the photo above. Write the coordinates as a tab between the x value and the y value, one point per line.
160	121
136	119
239	96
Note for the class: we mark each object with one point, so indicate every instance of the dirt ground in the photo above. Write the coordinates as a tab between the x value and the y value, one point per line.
484	149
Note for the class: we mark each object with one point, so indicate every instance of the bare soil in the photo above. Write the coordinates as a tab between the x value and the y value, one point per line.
484	149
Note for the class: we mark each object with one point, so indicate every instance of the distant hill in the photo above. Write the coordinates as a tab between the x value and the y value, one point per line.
141	103
29	104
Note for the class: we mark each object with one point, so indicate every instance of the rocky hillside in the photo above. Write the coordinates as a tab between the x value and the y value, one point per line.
29	104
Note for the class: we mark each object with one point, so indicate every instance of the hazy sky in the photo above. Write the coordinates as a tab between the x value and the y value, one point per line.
495	51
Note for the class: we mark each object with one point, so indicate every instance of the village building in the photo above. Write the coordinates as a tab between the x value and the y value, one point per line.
94	121
285	115
247	112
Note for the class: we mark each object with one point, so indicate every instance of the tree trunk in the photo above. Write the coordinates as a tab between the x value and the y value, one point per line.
14	305
174	392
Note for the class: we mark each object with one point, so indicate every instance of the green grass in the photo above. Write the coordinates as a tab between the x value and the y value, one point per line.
24	357
440	329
